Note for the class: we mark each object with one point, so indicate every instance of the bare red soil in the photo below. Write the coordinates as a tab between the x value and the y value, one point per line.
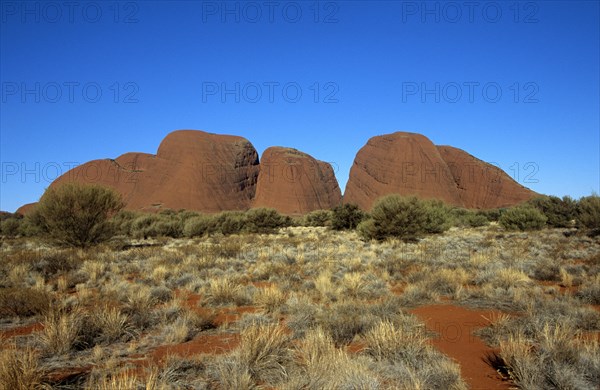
21	330
455	325
213	344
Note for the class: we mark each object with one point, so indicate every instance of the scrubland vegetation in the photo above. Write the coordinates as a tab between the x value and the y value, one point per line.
325	301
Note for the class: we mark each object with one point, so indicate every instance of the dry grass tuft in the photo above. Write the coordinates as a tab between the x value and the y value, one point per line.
387	341
19	369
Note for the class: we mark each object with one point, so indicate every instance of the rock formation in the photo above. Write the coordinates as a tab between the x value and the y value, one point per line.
410	164
26	208
208	172
192	170
481	185
295	183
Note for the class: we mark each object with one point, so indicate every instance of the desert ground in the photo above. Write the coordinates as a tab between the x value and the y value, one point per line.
304	308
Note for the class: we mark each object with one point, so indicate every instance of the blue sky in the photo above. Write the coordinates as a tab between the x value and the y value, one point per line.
513	83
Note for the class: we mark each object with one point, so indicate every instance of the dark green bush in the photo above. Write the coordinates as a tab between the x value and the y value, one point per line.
10	227
264	220
588	212
32	225
523	217
228	222
123	221
318	218
437	216
476	220
198	226
157	225
407	218
346	216
469	218
491	214
78	214
560	212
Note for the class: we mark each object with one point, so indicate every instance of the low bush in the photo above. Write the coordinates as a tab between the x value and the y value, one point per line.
32	225
469	218
407	218
123	221
560	212
437	216
523	217
23	302
198	226
10	227
318	218
346	216
492	215
588	212
156	225
264	220
78	214
228	222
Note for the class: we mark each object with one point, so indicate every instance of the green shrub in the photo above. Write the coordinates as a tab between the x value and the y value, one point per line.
469	218
123	221
407	218
437	216
143	226
491	214
523	217
346	216
476	220
198	226
588	212
10	227
78	214
318	218
228	222
263	220
560	212
157	225
32	225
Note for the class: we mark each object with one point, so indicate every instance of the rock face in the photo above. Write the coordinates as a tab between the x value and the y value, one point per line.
192	170
295	183
410	164
481	185
26	208
206	172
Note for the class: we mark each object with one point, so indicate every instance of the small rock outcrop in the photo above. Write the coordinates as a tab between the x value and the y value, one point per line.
293	182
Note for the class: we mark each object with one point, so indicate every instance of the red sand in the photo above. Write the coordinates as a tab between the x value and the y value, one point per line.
21	330
455	325
203	344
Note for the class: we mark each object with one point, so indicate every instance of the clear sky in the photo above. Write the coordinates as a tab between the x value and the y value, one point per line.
513	83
